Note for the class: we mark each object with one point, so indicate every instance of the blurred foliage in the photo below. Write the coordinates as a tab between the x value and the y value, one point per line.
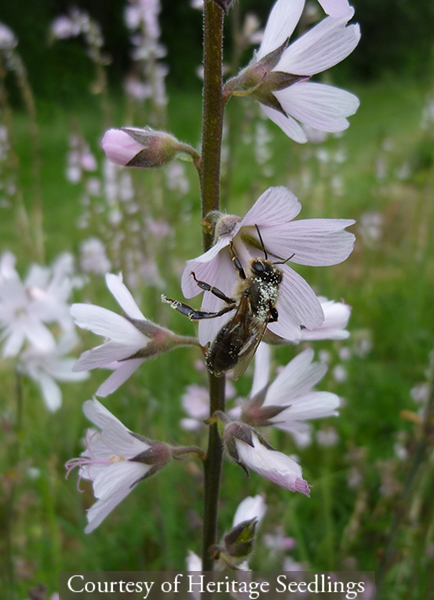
397	39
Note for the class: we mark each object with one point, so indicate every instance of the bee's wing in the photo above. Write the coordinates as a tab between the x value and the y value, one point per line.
257	331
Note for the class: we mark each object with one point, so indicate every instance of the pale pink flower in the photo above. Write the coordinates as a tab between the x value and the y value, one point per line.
120	147
336	317
273	465
317	105
327	437
115	460
50	289
314	242
93	257
141	148
195	402
64	27
131	339
279	542
289	400
46	368
26	307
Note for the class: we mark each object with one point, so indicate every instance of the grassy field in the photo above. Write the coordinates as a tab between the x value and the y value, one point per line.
371	468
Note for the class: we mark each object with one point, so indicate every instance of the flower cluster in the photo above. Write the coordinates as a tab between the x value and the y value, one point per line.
253	294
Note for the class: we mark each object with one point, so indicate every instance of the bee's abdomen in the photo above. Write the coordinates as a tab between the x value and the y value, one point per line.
224	351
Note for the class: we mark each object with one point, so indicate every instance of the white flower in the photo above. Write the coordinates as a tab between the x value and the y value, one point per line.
194	563
273	465
336	316
93	257
47	367
252	507
289	400
125	340
279	74
26	307
115	461
313	242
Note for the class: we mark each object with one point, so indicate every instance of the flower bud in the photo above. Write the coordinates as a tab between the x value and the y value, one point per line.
239	541
250	450
224	5
143	148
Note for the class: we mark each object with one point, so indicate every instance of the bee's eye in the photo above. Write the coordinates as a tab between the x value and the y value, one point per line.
258	267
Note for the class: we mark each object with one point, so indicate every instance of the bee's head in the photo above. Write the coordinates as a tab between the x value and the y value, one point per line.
264	269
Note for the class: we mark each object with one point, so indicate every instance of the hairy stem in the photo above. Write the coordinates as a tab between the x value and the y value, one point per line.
212	112
212	128
212	467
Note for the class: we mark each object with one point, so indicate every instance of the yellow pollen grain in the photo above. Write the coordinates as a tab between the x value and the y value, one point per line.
114	458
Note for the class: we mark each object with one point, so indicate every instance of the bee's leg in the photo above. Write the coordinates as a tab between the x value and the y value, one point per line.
236	261
210	288
192	313
274	315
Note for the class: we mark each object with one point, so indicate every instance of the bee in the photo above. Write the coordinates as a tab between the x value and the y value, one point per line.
254	303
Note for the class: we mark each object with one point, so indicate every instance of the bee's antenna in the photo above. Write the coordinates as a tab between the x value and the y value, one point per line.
262	242
283	262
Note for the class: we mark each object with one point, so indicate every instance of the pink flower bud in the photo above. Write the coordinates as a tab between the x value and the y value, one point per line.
143	148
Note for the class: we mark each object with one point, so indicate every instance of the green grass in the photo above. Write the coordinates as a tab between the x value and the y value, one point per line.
389	287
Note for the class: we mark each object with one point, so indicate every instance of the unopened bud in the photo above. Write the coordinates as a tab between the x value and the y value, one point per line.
142	148
239	541
224	5
250	450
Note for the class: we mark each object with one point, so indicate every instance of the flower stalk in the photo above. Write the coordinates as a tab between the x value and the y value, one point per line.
212	131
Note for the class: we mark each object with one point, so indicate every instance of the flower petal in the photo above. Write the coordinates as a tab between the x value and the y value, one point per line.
103	356
336	316
120	440
118	475
297	378
273	465
321	106
98	414
50	391
123	296
123	480
14	341
324	46
276	205
262	369
297	306
314	242
252	507
108	324
281	23
204	266
316	405
337	8
287	124
119	376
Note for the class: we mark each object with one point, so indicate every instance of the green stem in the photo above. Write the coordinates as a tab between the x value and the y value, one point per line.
212	472
212	130
213	109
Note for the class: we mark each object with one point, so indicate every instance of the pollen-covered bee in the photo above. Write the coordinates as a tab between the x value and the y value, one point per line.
254	302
